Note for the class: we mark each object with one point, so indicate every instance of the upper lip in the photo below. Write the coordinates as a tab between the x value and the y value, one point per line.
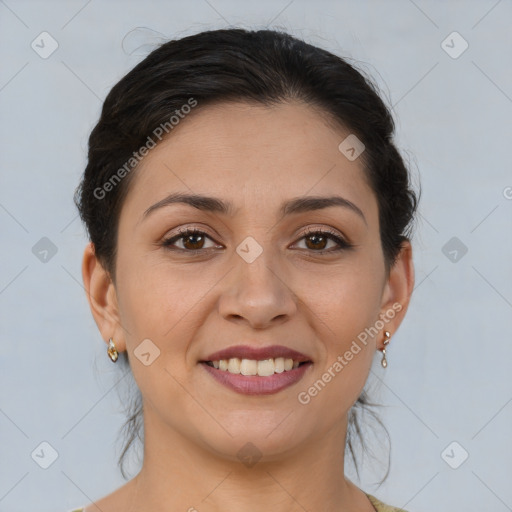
258	353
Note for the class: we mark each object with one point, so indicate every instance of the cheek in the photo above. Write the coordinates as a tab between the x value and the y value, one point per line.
347	298
154	295
348	306
164	304
157	307
346	303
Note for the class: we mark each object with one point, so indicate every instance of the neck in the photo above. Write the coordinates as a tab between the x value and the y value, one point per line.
178	474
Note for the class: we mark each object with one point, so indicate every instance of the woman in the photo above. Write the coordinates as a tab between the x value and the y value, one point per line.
249	218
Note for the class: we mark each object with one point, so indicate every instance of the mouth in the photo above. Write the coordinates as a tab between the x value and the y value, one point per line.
257	371
251	367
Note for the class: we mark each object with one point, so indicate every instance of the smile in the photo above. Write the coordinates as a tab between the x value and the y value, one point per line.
252	370
248	367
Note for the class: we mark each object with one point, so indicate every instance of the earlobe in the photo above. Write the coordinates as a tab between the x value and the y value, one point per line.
101	296
398	290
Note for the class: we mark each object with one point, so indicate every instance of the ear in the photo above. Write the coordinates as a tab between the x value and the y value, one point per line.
102	298
397	291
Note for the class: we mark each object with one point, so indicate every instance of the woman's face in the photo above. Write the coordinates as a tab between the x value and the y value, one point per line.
257	276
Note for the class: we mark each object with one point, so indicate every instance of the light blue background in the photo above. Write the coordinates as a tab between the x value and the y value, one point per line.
449	376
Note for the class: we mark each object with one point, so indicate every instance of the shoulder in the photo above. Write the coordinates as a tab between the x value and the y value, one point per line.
379	506
382	507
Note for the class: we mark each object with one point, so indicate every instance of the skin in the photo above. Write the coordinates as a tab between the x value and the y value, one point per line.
256	157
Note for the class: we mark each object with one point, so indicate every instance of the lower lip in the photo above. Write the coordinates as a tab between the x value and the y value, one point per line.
256	385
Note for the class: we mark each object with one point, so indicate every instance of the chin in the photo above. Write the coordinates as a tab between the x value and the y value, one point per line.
257	435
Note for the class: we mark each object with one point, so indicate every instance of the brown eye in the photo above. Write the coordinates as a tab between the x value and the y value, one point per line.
318	240
191	240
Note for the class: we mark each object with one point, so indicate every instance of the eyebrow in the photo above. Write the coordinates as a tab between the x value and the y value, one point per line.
293	206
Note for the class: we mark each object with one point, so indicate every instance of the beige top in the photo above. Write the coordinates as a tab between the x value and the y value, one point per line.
378	505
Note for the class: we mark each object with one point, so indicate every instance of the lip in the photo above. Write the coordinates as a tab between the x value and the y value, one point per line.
256	385
258	353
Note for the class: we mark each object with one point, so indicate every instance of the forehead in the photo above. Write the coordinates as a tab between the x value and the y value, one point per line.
252	155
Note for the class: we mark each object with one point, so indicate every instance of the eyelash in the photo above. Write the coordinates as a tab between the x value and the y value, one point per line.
343	245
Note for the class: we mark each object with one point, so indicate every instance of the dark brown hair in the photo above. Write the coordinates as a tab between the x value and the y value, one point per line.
264	67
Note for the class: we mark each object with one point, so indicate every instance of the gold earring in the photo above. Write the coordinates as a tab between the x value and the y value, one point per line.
384	361
112	351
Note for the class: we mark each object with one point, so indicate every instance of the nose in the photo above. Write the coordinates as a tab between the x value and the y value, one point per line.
257	294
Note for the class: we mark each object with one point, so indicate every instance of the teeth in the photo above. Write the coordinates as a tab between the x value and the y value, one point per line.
263	368
266	367
248	367
234	365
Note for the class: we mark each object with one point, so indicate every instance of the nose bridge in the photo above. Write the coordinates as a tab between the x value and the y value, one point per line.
257	263
257	290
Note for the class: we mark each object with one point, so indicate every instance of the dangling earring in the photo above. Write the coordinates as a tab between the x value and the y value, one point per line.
384	361
112	351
